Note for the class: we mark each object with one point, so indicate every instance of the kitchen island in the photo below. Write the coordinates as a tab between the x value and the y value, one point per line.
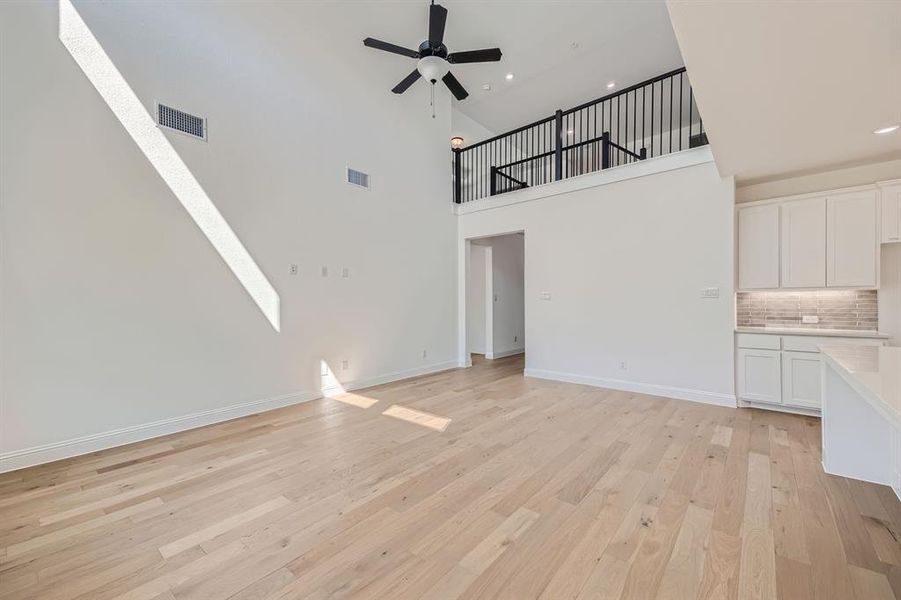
861	414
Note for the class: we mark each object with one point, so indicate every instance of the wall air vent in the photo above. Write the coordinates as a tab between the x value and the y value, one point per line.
357	178
177	120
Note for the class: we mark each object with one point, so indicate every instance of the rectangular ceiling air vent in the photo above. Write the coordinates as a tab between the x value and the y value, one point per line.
177	120
357	178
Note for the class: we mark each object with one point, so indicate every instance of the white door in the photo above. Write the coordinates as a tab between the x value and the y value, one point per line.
758	247
804	243
801	379
759	376
891	214
851	240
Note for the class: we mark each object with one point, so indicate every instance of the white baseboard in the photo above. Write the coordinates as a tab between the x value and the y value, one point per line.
847	476
716	398
399	375
504	353
38	455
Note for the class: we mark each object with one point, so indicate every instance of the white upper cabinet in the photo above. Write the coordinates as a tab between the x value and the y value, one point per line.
758	247
891	213
804	243
852	242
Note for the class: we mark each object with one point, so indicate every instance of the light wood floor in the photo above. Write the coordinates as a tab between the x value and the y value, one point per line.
535	489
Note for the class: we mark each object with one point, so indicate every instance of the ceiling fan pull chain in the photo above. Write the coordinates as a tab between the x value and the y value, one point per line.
432	103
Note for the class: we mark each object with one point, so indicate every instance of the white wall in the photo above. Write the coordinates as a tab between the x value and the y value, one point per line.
476	299
117	312
816	182
890	292
624	264
508	301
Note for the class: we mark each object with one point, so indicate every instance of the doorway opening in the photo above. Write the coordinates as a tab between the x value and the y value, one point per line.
495	297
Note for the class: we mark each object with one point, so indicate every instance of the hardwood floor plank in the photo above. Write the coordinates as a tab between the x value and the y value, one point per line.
534	489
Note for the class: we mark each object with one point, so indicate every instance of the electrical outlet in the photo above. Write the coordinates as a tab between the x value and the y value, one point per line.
810	319
345	272
344	365
425	353
711	292
623	365
293	269
515	338
324	271
545	295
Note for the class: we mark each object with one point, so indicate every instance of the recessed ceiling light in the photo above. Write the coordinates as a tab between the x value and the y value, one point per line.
888	129
611	85
508	76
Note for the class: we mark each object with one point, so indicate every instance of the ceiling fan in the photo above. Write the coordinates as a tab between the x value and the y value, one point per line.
434	59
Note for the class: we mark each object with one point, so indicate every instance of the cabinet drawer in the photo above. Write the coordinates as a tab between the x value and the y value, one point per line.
811	343
759	341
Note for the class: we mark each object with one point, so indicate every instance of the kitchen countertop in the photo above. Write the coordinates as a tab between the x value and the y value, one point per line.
874	372
855	333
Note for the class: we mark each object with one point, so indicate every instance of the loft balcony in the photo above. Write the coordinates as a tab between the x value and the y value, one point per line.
649	119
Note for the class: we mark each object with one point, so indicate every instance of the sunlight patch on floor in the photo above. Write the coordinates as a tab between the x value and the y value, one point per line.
355	400
417	417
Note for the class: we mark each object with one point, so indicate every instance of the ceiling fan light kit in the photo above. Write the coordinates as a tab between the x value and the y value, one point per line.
434	59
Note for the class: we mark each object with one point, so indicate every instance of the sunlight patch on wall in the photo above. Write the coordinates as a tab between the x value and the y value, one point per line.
118	95
329	386
417	417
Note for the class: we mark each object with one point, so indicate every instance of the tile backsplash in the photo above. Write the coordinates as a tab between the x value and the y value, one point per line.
836	309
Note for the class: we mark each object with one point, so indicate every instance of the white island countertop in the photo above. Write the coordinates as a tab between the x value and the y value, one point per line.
854	333
874	372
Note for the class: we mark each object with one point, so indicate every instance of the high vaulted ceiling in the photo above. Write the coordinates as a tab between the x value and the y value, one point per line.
792	87
562	53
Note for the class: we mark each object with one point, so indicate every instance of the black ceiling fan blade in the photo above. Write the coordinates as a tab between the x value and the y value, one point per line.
388	47
475	56
454	86
407	81
437	20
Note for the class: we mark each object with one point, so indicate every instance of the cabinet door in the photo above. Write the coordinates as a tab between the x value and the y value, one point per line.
801	379
758	247
851	240
891	214
803	238
759	375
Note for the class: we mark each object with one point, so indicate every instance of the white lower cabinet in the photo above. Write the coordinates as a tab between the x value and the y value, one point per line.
784	370
760	375
801	379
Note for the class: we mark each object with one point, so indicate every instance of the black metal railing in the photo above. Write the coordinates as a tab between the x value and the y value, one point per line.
651	118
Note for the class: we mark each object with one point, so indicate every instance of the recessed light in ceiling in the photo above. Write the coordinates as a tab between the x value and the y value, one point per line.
508	76
611	85
887	129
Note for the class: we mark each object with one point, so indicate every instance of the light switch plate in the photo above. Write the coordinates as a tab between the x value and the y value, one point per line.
711	292
810	319
545	295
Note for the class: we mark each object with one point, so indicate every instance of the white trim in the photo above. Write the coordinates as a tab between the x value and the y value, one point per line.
489	301
806	195
858	478
705	397
505	353
45	453
793	410
36	455
367	382
651	166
